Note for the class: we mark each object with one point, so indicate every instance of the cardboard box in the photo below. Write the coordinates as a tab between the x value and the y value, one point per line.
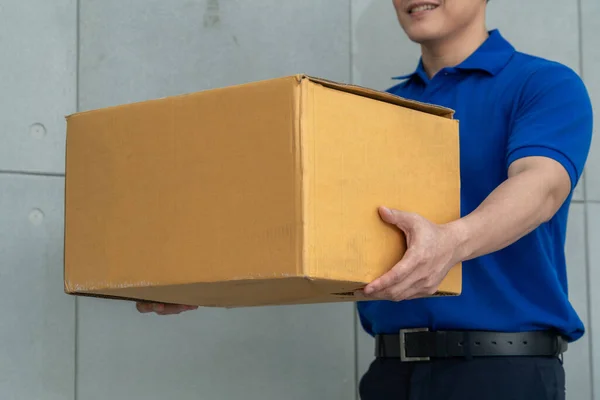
258	194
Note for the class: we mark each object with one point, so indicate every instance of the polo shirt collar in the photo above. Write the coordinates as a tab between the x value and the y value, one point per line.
491	57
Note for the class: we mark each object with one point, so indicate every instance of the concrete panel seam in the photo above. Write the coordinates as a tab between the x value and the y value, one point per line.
589	296
31	173
586	220
77	108
351	43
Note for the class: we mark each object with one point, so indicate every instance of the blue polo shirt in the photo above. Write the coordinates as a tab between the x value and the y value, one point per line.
509	105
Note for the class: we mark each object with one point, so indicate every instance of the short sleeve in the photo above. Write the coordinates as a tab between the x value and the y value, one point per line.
553	118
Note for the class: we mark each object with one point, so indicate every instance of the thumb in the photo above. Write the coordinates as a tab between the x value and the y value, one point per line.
401	219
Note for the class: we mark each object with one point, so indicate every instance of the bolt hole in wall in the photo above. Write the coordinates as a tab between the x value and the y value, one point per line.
37	131
36	217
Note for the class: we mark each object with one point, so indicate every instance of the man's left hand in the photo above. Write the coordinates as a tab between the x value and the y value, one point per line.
431	252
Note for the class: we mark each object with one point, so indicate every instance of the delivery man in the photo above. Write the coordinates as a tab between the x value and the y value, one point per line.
525	133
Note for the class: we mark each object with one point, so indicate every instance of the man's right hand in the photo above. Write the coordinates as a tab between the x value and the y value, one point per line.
163	309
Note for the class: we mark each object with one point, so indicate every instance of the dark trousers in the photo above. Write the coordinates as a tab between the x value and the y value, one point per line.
501	378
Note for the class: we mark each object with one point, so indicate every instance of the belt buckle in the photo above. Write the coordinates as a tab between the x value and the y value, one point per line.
402	336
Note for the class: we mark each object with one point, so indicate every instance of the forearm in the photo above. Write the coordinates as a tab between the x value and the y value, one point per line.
514	209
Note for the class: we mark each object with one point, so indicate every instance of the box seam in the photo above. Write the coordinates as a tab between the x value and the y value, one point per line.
299	177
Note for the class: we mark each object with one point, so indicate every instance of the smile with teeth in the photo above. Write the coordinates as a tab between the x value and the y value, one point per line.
425	7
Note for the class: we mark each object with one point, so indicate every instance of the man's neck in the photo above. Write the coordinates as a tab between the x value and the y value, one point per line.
453	50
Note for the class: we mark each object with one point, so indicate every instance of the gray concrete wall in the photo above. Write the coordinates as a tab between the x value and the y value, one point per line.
60	56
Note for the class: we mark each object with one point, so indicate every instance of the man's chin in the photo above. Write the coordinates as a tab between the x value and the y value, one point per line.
423	36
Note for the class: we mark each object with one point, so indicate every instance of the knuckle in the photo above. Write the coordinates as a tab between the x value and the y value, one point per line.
416	255
394	276
389	294
426	257
411	216
416	220
431	290
430	286
430	281
397	297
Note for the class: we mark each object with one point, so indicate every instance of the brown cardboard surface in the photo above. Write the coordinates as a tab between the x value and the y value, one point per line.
256	194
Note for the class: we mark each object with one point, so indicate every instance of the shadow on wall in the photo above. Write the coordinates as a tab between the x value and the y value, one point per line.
380	50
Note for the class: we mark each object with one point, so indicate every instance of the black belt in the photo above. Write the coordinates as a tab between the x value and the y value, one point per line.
424	345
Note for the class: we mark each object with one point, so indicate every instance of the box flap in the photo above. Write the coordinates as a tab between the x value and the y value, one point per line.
383	96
